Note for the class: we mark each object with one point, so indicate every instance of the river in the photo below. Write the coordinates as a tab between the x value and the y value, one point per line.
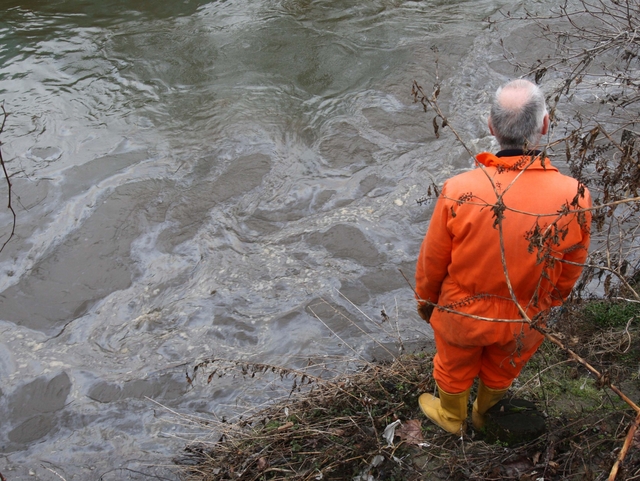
196	179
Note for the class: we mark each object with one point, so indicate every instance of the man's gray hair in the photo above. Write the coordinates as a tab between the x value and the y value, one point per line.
519	128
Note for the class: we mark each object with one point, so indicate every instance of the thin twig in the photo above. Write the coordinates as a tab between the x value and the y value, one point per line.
589	367
625	448
393	356
6	176
336	334
420	96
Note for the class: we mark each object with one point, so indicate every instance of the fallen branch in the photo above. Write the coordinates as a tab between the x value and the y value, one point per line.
625	448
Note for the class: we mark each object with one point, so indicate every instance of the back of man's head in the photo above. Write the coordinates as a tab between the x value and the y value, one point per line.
518	115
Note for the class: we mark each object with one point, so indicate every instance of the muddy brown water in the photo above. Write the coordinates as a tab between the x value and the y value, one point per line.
206	179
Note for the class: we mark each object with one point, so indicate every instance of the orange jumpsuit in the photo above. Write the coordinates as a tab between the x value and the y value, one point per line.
460	265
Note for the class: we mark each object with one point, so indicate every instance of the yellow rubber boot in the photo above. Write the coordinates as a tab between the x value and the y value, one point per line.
486	399
449	411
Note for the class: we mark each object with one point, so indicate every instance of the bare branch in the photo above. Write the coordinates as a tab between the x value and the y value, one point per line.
6	176
625	448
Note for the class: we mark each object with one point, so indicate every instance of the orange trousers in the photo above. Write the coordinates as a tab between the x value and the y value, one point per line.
467	348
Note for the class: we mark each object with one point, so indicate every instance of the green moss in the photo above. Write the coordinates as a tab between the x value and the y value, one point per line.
272	425
605	314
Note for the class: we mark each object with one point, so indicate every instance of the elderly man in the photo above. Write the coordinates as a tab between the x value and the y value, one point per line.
511	230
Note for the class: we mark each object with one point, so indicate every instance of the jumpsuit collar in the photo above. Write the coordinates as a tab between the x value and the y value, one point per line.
514	152
515	159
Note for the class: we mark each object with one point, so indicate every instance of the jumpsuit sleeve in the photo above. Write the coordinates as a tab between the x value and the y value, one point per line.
435	252
575	258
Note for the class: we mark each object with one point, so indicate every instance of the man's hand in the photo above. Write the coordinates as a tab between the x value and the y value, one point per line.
425	310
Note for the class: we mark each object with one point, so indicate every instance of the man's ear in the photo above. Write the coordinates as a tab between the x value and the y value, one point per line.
545	125
491	126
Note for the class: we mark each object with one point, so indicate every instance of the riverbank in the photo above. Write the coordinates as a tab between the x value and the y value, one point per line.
341	429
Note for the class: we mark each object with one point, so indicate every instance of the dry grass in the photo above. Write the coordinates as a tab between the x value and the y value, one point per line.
333	430
329	430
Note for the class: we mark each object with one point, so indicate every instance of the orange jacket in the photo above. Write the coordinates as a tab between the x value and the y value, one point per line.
460	264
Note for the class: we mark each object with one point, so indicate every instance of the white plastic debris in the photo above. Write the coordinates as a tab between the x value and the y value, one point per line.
390	432
365	474
364	477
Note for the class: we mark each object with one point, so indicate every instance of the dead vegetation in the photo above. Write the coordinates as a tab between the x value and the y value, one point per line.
330	430
343	429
